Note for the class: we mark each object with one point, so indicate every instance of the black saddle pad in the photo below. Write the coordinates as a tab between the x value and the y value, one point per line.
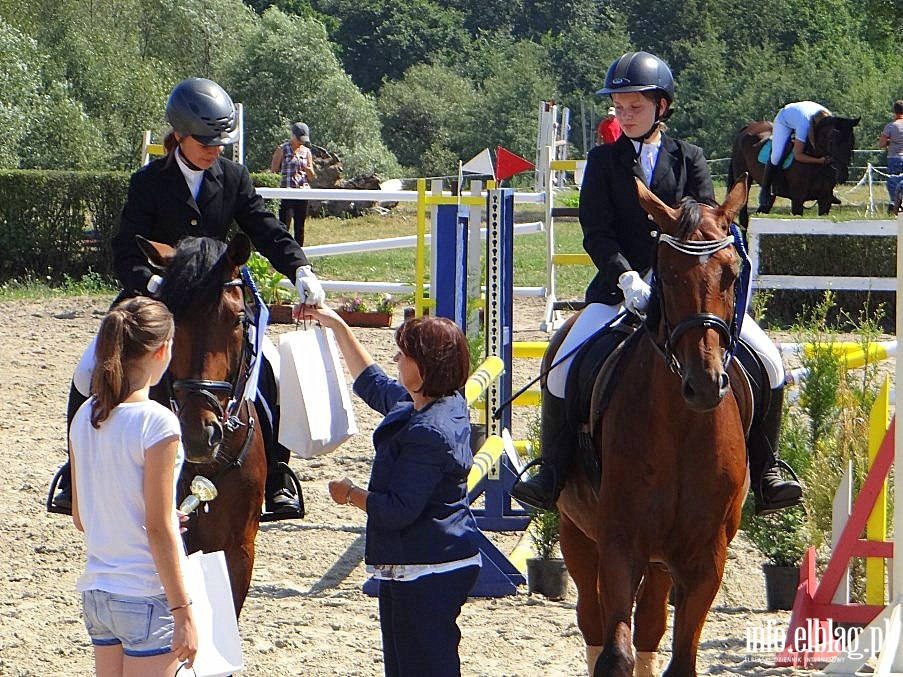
585	369
758	379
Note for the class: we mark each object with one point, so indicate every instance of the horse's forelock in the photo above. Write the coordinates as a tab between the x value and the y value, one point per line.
690	218
195	274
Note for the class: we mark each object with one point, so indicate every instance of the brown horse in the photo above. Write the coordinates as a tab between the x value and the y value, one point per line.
211	361
832	136
671	447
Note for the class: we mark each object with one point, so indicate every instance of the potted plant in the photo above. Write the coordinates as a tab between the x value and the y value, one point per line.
358	311
278	299
782	538
546	573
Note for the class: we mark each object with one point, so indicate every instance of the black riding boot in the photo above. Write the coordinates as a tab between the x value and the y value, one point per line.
63	498
558	441
766	196
772	492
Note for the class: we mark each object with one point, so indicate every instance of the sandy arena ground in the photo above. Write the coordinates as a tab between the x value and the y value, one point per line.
305	613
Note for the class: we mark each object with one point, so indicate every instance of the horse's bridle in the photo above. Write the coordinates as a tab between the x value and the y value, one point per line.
233	391
728	331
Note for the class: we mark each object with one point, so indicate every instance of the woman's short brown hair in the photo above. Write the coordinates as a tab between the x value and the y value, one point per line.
439	349
898	106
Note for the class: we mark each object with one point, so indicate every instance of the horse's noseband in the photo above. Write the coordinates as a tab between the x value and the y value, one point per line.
729	332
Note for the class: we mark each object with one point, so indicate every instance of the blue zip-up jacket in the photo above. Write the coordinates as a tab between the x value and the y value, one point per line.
417	511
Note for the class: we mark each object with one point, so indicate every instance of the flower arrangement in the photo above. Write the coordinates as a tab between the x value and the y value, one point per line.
354	305
386	304
358	304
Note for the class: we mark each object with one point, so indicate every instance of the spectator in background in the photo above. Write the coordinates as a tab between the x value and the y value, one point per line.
295	162
609	129
892	138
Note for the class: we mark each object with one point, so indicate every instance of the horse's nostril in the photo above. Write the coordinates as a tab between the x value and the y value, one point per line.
214	435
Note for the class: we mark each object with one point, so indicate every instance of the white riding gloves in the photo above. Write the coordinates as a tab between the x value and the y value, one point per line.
153	284
636	292
310	291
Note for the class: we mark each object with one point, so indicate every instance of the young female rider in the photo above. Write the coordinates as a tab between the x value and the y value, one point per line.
193	190
137	612
619	237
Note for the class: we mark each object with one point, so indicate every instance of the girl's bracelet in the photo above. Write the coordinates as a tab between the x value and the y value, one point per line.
348	495
181	606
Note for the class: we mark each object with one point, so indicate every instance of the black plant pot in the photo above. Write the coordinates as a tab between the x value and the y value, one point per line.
781	583
548	577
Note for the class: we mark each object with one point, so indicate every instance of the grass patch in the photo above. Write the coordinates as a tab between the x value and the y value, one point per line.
35	288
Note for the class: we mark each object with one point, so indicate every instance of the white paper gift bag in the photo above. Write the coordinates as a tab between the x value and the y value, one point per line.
316	414
219	645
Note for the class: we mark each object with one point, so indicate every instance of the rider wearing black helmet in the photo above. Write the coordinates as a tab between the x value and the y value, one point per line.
194	191
619	236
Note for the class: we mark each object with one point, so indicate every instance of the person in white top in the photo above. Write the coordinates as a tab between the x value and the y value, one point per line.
793	120
126	457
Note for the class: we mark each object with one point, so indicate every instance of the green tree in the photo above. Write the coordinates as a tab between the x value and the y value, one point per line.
281	78
381	39
424	117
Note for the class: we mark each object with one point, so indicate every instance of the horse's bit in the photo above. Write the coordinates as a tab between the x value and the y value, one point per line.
729	332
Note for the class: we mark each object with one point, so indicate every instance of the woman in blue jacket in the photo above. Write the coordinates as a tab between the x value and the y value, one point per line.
420	531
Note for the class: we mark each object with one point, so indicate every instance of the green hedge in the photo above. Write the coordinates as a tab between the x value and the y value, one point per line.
55	223
836	255
58	223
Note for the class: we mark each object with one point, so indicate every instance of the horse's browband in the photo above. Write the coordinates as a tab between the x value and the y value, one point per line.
697	247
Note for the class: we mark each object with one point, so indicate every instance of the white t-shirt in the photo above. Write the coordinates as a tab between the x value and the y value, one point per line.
109	470
797	116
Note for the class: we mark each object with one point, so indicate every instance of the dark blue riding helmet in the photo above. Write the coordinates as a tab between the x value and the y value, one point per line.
639	72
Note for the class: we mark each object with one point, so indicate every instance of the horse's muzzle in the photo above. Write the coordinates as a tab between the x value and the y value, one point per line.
202	443
703	390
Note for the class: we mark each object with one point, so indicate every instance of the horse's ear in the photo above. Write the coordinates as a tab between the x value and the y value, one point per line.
736	198
159	255
855	121
239	249
664	216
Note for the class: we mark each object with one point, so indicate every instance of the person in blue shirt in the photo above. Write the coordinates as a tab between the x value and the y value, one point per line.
420	537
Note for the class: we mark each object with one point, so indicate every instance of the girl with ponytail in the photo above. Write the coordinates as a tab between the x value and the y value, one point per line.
126	458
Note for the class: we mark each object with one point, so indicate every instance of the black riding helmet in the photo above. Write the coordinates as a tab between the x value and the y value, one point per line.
641	72
200	108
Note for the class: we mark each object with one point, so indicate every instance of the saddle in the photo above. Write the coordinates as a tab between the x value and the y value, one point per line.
764	155
593	378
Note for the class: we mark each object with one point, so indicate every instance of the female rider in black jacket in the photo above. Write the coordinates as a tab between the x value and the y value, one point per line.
619	237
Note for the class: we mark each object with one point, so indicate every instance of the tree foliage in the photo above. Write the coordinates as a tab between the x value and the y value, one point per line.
83	78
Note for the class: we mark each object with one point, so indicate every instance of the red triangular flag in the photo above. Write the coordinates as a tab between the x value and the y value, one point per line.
507	164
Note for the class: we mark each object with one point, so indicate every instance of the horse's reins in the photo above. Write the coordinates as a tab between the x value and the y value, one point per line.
729	332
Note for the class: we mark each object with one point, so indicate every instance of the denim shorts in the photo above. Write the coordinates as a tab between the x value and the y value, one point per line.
142	625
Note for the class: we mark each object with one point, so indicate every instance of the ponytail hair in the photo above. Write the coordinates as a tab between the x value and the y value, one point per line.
130	330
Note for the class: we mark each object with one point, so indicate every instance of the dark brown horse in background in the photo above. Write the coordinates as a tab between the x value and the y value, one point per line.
671	446
211	361
832	136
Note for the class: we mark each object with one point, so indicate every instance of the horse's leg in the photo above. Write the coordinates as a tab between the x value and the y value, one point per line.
580	554
620	570
824	206
697	580
796	206
650	619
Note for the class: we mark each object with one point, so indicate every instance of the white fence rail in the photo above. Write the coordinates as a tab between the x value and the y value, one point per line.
764	227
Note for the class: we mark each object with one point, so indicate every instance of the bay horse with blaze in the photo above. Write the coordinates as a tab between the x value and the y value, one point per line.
672	451
212	360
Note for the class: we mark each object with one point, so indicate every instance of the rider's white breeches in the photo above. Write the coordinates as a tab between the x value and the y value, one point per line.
81	379
780	135
597	314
